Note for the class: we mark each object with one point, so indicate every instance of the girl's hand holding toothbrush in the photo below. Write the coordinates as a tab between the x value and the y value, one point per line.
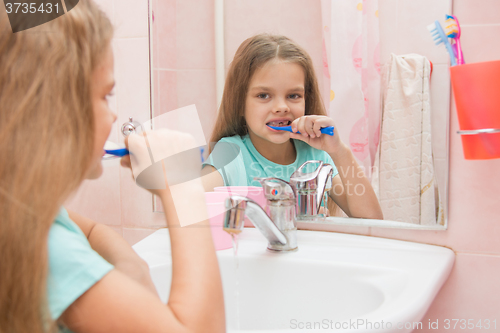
150	161
309	128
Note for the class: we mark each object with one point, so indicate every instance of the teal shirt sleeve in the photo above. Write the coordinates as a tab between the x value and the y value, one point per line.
74	267
227	157
328	159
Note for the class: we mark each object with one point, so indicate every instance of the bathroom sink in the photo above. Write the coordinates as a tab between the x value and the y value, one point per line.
333	282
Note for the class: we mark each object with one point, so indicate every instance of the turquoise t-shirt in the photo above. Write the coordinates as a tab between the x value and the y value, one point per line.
239	162
74	266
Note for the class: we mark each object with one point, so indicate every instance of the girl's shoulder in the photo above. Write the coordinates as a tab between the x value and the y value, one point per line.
63	225
236	141
73	265
233	139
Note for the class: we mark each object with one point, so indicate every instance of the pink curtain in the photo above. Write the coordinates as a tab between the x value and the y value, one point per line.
351	69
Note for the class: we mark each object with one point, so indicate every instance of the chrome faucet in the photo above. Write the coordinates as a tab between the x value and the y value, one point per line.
277	224
286	202
310	188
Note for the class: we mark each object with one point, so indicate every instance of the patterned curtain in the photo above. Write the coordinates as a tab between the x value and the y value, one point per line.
351	69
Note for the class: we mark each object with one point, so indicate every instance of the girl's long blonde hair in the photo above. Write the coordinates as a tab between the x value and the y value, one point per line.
46	141
252	54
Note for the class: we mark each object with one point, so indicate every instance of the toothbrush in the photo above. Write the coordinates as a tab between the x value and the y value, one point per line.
117	152
124	151
325	130
439	37
453	30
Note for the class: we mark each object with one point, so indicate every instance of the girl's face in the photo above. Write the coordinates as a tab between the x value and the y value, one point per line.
102	84
275	97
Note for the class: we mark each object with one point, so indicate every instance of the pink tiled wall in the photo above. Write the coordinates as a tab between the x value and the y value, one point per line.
184	58
474	209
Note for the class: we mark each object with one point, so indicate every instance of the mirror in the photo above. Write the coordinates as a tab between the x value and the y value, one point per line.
192	44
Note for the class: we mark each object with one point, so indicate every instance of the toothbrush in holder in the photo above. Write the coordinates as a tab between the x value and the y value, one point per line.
453	31
325	130
439	37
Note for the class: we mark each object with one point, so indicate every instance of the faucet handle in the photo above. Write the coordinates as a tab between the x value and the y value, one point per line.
310	187
306	180
276	189
324	182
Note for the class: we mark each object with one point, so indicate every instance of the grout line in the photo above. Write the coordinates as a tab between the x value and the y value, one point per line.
496	255
144	228
184	69
480	25
129	38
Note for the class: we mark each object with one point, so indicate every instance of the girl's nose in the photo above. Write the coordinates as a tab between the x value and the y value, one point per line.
281	106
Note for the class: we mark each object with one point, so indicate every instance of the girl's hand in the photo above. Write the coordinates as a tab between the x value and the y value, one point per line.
309	128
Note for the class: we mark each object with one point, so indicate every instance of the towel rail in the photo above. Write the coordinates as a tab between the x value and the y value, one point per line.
479	131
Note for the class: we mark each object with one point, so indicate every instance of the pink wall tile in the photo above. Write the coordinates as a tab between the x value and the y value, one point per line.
105	207
198	87
403	28
132	79
137	204
131	18
468	294
165	33
167	91
480	42
477	12
133	235
195	35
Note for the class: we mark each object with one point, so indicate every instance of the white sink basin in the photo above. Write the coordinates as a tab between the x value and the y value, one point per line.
334	282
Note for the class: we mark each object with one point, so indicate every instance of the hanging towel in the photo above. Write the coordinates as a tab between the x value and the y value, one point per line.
403	176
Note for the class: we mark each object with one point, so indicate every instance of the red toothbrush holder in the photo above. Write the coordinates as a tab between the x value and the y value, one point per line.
476	88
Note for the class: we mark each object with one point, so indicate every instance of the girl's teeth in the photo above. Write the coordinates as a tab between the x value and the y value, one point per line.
278	123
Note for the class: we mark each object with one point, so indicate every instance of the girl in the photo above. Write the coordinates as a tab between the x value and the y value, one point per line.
59	269
271	81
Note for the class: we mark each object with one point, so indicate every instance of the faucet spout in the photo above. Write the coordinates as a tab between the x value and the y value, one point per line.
237	207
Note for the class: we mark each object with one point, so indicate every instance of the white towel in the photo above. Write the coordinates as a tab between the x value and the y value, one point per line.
403	175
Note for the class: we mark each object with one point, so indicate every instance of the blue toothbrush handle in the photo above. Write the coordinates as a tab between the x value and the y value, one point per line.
117	152
325	130
444	40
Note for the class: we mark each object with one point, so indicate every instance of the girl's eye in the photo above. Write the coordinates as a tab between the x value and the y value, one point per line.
263	96
295	96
